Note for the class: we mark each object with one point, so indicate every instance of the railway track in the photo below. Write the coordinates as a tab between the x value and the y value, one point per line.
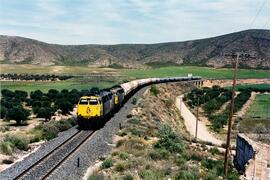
44	167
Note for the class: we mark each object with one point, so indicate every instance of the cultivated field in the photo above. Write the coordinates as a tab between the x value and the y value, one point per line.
205	72
260	107
88	77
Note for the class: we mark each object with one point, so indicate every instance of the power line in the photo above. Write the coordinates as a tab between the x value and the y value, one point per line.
266	24
258	12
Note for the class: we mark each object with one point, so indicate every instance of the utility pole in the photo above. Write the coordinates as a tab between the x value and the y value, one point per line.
197	118
230	119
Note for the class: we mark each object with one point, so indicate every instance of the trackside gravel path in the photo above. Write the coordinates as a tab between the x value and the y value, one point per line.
190	123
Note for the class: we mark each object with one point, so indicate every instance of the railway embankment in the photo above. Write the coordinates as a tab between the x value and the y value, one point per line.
153	143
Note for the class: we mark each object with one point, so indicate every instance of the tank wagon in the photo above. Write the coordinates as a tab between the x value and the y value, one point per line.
96	107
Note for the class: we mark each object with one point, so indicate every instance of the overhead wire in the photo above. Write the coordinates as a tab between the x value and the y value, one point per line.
258	12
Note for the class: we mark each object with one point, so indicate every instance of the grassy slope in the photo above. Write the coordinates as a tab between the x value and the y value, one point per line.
260	107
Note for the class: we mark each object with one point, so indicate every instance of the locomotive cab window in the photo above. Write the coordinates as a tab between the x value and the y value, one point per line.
93	101
83	102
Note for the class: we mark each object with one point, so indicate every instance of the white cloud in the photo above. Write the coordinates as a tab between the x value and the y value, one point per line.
134	21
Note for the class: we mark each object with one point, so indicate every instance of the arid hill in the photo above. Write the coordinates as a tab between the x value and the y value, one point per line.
205	52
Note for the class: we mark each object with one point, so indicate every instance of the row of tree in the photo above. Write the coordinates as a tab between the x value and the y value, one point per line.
18	105
35	77
213	98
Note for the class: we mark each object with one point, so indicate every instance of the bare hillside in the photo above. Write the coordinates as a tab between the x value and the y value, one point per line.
206	52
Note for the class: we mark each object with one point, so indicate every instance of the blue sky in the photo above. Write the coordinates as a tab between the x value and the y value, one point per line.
129	21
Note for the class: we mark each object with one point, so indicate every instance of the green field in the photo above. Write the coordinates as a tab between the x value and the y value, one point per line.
245	86
260	107
59	85
114	76
205	72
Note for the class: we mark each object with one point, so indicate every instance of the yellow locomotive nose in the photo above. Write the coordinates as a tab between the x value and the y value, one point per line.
89	107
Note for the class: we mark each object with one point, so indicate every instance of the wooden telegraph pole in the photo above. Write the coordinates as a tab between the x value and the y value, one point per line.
197	119
230	119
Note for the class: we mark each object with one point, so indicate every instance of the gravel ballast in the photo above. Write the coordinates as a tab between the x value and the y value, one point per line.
99	145
45	148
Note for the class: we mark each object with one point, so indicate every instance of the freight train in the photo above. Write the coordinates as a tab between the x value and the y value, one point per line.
96	107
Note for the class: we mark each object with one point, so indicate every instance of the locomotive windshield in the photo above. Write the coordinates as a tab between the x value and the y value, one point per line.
83	102
93	101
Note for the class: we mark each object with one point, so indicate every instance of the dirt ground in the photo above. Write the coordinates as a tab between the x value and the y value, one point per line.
224	83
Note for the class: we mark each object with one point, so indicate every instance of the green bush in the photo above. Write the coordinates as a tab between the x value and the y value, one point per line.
7	161
134	121
169	140
18	141
159	154
107	163
214	151
180	161
120	167
129	115
213	164
154	90
128	177
6	147
48	131
62	125
123	155
188	175
134	101
151	174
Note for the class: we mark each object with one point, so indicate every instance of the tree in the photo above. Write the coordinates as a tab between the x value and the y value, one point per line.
52	93
7	93
37	95
45	112
18	113
3	110
64	105
20	95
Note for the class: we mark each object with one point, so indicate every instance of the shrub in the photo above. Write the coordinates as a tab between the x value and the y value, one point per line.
96	177
134	101
120	167
48	131
123	155
169	140
134	121
151	174
180	161
62	125
214	151
188	175
129	115
213	164
7	161
154	90
18	141
6	147
159	154
107	163
128	177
